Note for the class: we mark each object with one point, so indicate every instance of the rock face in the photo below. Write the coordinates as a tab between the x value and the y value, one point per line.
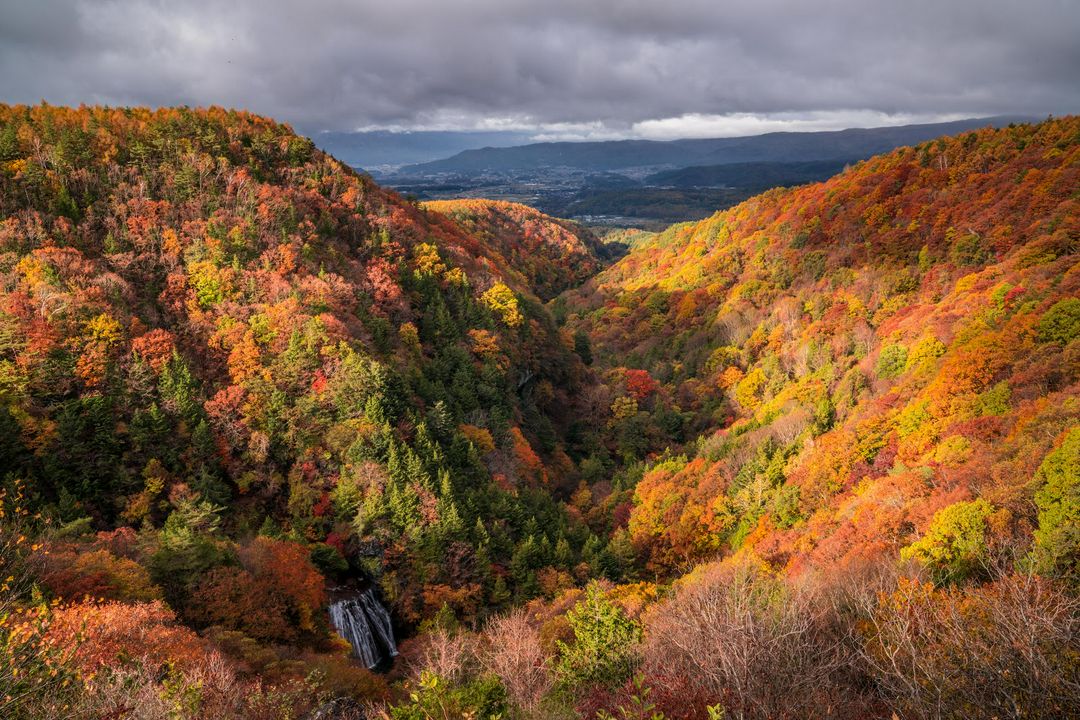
365	623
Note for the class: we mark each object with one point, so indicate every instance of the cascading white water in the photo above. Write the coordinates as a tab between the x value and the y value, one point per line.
365	623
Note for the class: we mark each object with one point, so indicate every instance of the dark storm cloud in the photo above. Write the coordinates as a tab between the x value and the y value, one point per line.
582	66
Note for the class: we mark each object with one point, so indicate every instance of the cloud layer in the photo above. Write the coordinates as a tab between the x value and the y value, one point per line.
588	68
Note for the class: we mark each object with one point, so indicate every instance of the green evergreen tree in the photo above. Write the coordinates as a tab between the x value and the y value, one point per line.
605	646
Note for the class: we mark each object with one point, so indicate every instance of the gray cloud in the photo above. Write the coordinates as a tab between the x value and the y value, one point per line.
565	67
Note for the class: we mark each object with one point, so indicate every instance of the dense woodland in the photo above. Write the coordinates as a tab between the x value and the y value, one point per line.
815	456
554	255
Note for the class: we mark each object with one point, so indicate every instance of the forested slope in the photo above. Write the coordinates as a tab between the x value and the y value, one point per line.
855	355
553	255
233	373
851	410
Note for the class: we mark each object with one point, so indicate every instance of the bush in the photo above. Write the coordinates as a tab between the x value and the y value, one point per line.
434	697
99	574
735	634
1006	649
234	598
1061	323
1057	539
515	654
891	362
954	546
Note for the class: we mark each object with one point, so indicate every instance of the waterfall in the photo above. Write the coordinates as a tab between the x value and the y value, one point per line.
365	623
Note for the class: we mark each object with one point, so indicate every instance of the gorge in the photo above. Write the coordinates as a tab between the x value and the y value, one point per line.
818	450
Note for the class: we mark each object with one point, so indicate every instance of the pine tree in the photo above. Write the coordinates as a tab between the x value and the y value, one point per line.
563	557
605	645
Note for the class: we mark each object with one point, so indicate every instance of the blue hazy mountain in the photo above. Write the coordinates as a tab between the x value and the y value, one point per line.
614	155
391	149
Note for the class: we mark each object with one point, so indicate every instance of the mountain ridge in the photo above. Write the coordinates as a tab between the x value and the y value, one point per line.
381	149
861	142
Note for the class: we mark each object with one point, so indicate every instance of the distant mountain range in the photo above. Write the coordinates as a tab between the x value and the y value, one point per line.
386	149
614	155
621	183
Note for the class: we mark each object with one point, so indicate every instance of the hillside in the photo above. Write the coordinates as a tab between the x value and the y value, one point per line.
553	255
855	355
651	184
223	351
849	410
750	176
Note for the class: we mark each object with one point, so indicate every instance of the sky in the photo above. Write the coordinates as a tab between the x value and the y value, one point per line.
560	69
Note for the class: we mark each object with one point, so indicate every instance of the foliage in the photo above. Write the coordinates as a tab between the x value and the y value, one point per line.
434	699
504	304
960	653
954	546
887	335
38	678
1061	322
219	347
1057	495
604	645
736	635
553	255
891	361
638	707
287	377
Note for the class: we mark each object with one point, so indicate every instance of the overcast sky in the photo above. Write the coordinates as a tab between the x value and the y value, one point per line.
559	68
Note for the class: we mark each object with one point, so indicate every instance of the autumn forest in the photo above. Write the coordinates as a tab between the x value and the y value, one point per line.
276	442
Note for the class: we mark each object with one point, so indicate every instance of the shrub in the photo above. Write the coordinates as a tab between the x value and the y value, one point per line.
954	547
99	574
891	362
734	633
1061	323
1057	539
515	654
1005	649
434	697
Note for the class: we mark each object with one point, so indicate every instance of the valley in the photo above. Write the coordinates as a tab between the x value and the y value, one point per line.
278	442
